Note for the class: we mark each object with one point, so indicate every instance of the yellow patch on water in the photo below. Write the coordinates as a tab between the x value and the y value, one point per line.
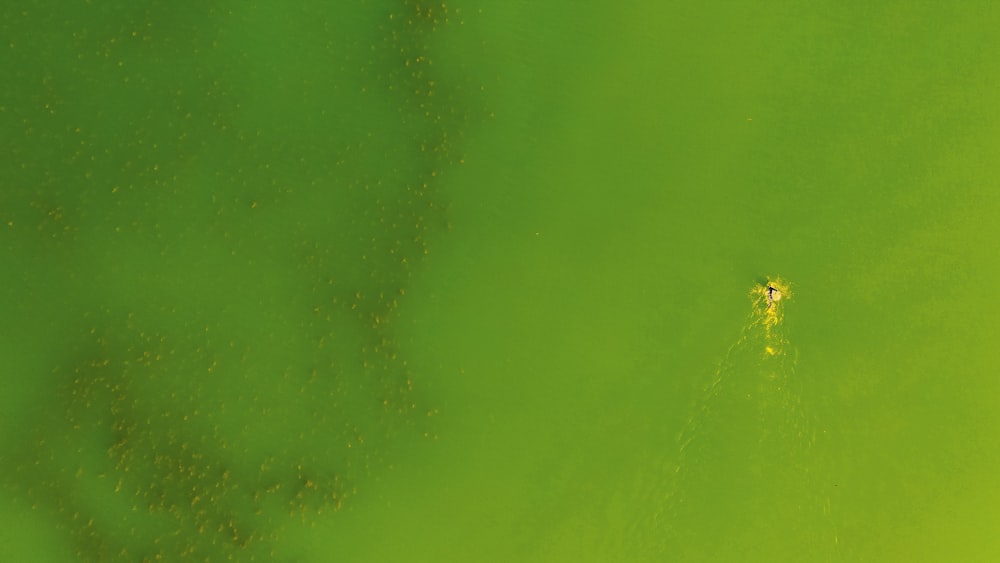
768	312
746	433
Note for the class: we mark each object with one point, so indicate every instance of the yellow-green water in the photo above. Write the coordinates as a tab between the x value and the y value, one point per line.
395	281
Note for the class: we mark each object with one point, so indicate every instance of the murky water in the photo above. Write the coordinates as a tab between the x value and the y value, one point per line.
470	282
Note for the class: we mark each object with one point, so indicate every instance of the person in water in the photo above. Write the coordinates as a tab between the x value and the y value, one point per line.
773	294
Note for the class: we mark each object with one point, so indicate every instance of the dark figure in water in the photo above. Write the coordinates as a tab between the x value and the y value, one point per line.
773	294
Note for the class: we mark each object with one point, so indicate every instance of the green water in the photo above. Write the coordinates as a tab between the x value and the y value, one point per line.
397	281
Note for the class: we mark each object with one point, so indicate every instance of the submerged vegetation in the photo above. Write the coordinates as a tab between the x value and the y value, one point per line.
228	362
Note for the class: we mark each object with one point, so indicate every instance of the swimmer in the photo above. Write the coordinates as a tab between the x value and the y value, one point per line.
773	294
